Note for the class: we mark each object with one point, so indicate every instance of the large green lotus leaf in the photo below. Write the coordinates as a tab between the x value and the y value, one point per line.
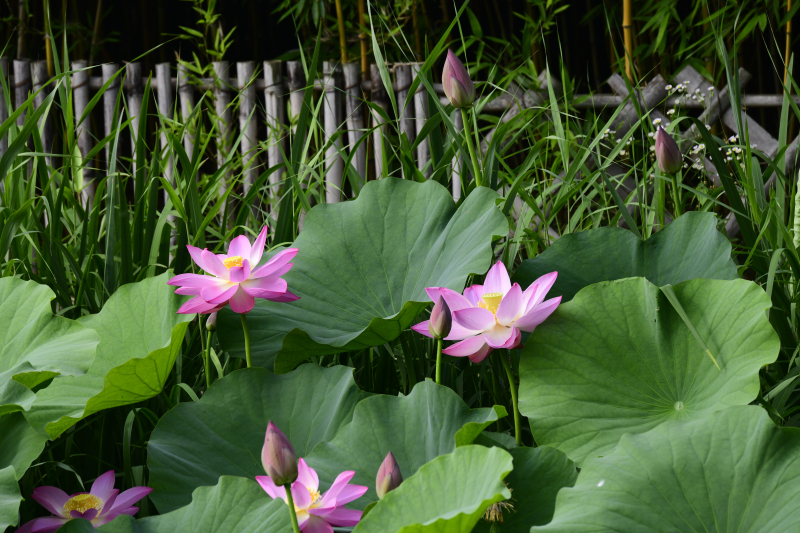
688	248
431	421
140	337
447	495
35	345
10	497
538	475
222	434
619	359
732	471
362	270
234	505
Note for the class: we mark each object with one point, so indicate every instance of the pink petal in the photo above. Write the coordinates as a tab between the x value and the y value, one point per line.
433	293
500	337
536	316
307	475
241	302
103	485
240	246
466	347
473	293
271	488
342	517
240	274
197	256
277	261
339	483
89	515
422	328
543	285
316	524
219	293
285	297
258	247
267	286
214	265
455	301
497	279
301	496
198	305
47	524
350	493
130	496
327	508
194	280
510	307
51	498
475	319
111	515
481	354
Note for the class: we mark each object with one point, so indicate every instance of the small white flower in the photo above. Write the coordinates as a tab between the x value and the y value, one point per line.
670	112
686	83
708	127
619	141
697	91
652	148
753	146
732	138
694	97
651	134
711	89
602	482
623	153
668	87
656	122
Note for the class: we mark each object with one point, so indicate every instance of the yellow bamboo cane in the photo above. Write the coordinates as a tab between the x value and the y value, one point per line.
342	38
363	37
626	31
788	44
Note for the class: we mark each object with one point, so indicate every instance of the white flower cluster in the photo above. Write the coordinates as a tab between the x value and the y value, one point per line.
697	148
607	133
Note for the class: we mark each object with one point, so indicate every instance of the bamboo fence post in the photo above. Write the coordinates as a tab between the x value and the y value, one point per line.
362	36
627	22
297	80
165	104
245	73
109	101
276	112
22	85
40	77
3	107
334	166
186	95
457	166
222	100
421	112
83	127
355	118
381	98
405	104
134	91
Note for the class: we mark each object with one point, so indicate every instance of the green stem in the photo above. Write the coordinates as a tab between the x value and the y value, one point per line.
246	330
290	501
513	385
476	169
676	192
438	361
205	361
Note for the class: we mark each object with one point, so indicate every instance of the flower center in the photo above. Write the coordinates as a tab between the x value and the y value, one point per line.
491	301
82	503
314	494
232	261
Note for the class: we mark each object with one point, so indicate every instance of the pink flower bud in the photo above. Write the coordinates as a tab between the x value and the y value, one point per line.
278	457
389	476
456	81
211	323
668	154
441	320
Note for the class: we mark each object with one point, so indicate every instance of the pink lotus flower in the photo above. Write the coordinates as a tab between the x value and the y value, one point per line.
316	512
233	278
493	315
100	506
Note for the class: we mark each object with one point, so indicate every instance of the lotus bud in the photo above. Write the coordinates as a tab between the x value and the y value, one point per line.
389	476
211	323
278	457
668	154
441	320
456	82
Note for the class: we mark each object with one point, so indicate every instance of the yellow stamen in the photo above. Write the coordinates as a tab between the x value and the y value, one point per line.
491	301
82	503
314	494
232	261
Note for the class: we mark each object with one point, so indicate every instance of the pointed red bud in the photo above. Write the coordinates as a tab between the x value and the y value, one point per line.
278	457
389	476
441	320
456	82
668	154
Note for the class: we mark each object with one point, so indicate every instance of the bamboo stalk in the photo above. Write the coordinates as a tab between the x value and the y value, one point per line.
133	89
334	166
297	80
186	95
626	30
380	98
245	71
421	111
21	30
109	101
40	77
363	37
415	23
355	119
48	45
222	100
406	104
165	105
22	85
788	44
342	37
83	128
276	113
